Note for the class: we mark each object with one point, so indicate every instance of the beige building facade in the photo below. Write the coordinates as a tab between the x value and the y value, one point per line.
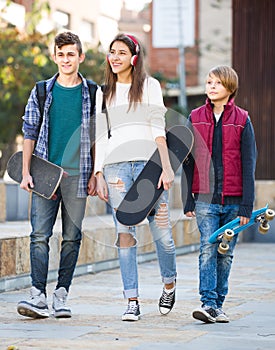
94	21
215	35
99	21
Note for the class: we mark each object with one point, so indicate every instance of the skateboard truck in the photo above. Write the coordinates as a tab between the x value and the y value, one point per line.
225	234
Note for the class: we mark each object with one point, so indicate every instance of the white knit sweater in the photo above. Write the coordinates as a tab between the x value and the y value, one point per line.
133	132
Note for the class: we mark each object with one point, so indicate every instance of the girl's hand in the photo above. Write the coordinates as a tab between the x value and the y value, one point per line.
166	179
92	186
101	187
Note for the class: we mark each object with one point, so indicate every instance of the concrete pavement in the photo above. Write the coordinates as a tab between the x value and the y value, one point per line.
97	305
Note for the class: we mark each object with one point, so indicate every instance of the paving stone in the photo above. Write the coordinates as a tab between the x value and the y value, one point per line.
97	304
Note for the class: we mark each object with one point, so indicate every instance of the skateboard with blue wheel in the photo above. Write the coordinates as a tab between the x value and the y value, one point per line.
225	233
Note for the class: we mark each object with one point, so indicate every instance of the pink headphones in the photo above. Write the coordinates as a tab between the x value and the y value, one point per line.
134	57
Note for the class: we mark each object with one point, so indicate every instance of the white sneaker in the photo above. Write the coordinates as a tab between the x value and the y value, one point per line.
35	307
59	304
221	316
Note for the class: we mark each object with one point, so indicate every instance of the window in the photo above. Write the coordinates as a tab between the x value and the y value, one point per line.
61	20
86	31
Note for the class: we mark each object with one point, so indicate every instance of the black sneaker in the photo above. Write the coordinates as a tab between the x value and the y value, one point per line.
205	314
167	301
35	307
132	312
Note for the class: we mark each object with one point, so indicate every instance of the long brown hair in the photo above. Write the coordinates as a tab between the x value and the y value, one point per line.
138	72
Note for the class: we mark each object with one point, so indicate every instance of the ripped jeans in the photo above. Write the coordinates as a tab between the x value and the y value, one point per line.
119	178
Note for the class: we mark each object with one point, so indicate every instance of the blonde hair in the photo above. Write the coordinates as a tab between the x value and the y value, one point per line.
228	77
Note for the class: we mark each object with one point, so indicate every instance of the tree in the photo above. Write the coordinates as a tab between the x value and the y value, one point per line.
94	65
23	60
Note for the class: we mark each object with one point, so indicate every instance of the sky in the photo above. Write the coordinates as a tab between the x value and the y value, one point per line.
136	4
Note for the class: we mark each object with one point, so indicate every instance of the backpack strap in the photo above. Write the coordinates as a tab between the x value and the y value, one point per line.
41	95
92	90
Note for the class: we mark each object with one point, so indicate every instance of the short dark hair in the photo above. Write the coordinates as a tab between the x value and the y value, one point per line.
67	38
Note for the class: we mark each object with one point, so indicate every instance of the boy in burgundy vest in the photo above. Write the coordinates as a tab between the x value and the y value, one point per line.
220	179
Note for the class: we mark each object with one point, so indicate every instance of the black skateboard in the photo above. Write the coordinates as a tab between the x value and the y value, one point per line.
46	175
143	194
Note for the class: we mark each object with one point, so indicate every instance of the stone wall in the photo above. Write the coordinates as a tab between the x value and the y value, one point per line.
97	249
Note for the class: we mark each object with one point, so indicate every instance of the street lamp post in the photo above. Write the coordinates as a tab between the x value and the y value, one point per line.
182	95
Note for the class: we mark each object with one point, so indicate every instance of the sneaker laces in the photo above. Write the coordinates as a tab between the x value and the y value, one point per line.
60	298
167	298
132	307
34	293
212	312
219	311
37	297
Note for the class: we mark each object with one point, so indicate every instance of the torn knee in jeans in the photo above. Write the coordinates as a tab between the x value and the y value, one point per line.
118	184
126	240
161	217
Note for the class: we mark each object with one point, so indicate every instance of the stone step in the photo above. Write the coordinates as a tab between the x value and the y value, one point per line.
97	250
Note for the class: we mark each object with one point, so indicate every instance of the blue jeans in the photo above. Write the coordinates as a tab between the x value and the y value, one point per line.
43	217
214	268
119	178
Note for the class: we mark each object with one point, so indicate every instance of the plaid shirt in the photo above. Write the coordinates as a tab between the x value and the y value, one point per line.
33	129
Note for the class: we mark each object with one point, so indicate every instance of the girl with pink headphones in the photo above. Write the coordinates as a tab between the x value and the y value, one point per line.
128	131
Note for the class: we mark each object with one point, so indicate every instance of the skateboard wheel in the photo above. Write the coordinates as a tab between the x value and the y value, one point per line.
223	248
269	214
263	228
228	234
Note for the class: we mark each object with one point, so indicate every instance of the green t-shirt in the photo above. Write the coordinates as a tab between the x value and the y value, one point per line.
64	127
